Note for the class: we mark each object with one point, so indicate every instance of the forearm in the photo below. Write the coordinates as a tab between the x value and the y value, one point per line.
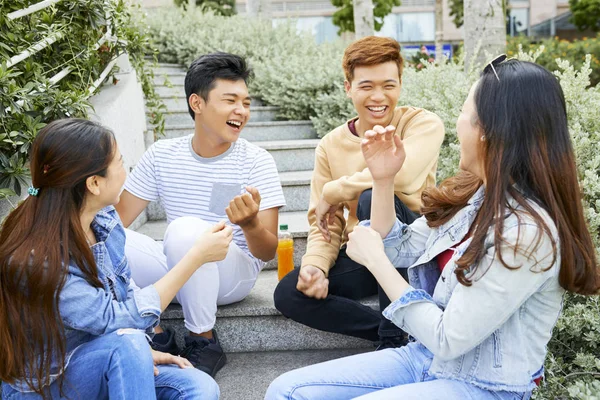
168	286
393	284
262	243
383	212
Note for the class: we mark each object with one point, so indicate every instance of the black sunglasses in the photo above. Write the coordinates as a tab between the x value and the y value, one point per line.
491	66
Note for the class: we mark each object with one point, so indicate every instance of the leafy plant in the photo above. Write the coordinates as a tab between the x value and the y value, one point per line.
344	16
28	97
586	14
224	8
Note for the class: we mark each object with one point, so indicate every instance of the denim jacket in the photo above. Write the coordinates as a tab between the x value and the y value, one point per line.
494	333
88	312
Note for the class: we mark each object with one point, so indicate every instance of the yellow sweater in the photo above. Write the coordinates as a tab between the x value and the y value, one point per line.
341	175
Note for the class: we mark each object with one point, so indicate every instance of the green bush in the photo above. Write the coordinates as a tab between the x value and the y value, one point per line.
574	52
28	100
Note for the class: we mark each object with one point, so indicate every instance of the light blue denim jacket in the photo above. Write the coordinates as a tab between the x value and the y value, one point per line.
88	312
494	333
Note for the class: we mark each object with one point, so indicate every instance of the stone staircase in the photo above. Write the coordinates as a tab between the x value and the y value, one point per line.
253	332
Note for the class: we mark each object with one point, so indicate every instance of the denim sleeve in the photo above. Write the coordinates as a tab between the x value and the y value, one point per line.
91	309
404	244
474	312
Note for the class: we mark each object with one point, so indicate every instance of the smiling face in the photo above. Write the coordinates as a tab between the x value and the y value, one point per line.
374	91
224	114
470	137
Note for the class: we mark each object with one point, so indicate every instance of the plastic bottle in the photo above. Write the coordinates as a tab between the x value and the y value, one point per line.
285	252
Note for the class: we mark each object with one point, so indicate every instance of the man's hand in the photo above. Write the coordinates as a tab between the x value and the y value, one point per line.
325	214
243	209
312	282
160	358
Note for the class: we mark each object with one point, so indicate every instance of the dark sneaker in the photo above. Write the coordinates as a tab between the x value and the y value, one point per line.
165	342
204	354
392	342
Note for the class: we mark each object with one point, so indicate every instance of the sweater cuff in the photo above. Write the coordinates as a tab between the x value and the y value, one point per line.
317	261
331	193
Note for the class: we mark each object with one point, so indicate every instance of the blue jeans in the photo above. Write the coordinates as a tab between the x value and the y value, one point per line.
390	374
119	366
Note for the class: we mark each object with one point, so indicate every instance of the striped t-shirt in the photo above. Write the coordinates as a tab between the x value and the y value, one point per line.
189	185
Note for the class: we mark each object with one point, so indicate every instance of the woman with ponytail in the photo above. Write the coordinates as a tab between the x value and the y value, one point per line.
509	237
72	321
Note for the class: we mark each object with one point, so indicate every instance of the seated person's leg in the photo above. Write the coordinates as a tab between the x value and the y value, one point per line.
338	312
224	282
173	382
117	366
198	297
353	376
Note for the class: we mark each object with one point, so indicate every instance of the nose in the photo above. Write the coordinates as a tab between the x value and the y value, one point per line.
377	95
241	110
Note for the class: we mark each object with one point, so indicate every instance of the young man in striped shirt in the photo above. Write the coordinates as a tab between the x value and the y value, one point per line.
201	179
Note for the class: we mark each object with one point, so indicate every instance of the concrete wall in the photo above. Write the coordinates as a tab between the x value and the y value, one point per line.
121	108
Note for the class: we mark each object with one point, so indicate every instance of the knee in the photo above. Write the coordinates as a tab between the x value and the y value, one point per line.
280	389
363	209
131	349
185	229
197	385
286	294
290	386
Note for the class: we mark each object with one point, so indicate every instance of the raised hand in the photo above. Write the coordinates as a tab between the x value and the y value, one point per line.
243	209
383	151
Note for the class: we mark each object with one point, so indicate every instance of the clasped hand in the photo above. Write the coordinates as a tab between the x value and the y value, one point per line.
243	209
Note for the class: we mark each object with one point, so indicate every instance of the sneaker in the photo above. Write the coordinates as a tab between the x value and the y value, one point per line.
392	342
165	342
204	354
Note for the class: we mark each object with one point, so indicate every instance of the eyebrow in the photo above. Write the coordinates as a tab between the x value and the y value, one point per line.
386	81
236	96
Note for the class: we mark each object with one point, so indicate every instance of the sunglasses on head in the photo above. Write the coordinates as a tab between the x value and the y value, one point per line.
491	66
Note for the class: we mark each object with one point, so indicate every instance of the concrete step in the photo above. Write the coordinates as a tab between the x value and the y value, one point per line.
292	155
254	324
167	68
246	376
296	221
256	131
175	78
177	115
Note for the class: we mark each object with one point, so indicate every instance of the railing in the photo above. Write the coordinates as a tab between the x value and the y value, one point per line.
54	37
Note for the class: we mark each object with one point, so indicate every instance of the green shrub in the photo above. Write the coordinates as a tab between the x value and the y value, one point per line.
574	52
27	99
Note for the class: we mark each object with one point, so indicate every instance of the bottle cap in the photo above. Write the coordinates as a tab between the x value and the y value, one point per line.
283	227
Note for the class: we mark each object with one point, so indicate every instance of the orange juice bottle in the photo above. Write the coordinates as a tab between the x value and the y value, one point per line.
285	252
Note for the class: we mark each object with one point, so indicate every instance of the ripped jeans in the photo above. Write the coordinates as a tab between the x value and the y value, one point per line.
119	365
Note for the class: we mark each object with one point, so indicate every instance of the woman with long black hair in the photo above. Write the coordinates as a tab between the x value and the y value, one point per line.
71	320
509	236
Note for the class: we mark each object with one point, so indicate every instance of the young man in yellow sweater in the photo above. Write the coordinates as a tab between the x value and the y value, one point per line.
323	293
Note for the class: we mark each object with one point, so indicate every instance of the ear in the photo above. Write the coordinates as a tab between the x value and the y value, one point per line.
347	86
196	103
93	185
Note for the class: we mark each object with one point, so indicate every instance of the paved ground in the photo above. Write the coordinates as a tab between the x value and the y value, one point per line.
248	375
